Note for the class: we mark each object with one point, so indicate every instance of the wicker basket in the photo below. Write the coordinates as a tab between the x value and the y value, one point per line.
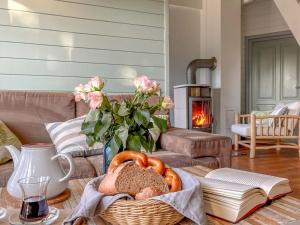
141	212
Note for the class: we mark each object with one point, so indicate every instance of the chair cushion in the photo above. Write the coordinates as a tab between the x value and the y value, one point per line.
241	129
265	130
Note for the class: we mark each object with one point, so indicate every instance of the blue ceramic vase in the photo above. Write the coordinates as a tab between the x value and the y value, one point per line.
108	155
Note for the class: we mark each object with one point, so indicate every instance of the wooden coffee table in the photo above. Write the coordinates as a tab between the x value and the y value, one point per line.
282	211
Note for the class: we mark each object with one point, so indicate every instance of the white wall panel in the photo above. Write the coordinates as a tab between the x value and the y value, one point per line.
56	44
38	36
262	17
83	11
15	82
54	53
76	25
154	7
72	69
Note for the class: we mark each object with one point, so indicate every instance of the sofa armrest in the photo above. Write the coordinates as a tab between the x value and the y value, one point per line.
196	144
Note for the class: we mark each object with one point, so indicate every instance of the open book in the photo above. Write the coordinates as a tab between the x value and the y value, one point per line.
233	194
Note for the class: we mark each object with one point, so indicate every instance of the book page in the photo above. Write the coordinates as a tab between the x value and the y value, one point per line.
265	182
225	188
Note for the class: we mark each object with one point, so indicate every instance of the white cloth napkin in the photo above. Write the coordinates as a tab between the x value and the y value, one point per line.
188	201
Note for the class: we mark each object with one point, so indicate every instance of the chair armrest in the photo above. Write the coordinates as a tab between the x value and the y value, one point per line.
287	123
196	144
244	118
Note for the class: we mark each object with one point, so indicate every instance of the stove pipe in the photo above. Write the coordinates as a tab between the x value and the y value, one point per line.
197	64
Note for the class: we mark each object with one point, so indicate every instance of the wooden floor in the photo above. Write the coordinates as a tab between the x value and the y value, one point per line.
284	163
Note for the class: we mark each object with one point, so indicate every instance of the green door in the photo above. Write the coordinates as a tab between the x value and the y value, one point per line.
274	73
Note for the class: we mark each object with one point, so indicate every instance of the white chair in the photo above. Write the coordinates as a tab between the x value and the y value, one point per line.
271	129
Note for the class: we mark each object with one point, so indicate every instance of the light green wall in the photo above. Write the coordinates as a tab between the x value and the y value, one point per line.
54	45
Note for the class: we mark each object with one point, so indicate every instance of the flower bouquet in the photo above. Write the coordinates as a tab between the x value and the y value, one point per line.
129	124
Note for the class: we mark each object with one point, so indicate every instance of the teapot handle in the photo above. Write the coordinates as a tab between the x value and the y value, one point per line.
71	163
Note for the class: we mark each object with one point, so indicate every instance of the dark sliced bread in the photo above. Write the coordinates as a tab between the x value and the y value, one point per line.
130	179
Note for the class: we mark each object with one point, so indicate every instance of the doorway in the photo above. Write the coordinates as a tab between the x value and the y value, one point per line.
272	71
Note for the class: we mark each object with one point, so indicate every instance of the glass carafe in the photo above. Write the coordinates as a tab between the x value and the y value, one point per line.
34	206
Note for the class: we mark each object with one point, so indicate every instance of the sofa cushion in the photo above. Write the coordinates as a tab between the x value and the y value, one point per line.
194	144
97	162
83	168
177	160
25	112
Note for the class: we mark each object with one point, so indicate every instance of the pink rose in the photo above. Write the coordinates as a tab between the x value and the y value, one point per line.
155	88
145	85
88	87
142	83
79	93
95	99
95	83
79	88
167	103
77	97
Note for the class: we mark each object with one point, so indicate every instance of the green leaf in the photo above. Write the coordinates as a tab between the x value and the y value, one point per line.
142	117
115	106
103	125
122	133
147	143
123	110
141	131
93	115
133	142
114	145
161	123
90	140
105	104
88	128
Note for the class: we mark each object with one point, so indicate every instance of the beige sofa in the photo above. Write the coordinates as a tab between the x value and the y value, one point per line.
26	112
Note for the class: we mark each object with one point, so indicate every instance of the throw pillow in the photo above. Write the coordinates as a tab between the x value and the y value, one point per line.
293	110
7	137
278	110
262	114
67	138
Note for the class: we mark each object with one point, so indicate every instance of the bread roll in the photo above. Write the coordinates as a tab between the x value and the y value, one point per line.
148	192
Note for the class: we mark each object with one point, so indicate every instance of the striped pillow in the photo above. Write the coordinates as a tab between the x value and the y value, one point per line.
67	137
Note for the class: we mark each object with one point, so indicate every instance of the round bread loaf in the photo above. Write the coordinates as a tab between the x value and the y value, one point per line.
130	179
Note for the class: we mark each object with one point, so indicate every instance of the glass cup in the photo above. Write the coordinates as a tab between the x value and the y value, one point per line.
34	206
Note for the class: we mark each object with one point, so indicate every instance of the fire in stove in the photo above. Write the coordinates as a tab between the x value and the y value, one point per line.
199	119
200	114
